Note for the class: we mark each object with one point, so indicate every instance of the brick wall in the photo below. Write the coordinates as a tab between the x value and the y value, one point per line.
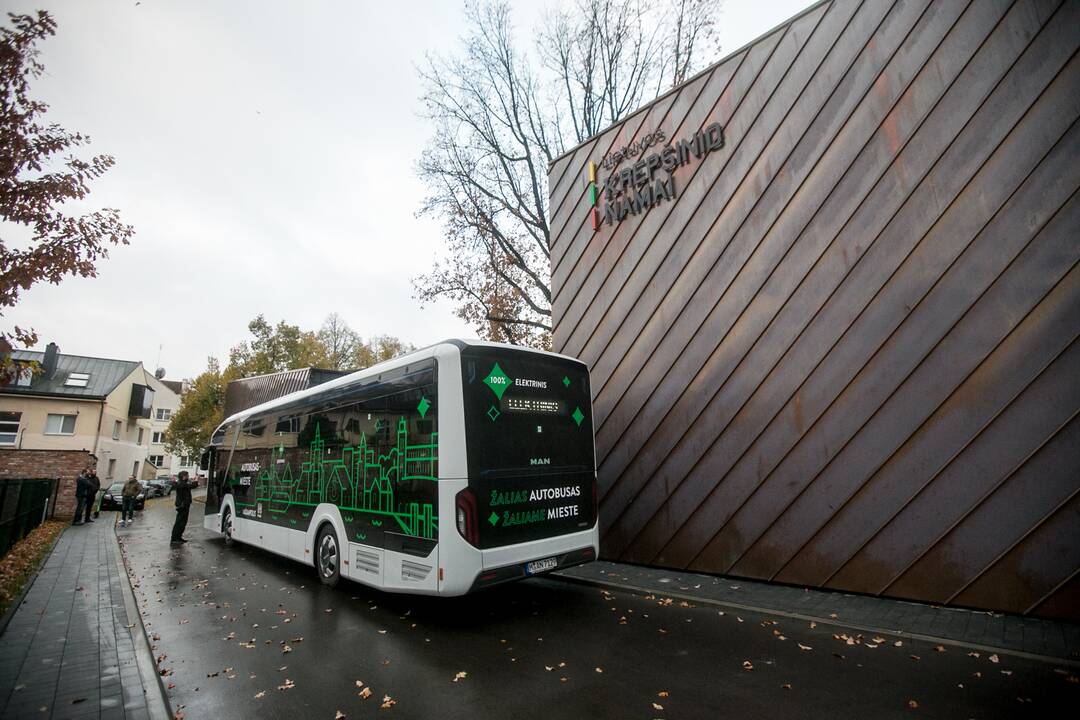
63	464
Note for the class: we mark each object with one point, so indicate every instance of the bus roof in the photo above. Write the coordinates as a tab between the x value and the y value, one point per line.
420	354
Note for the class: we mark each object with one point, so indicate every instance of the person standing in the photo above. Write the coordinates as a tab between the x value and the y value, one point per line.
183	504
127	502
93	485
82	489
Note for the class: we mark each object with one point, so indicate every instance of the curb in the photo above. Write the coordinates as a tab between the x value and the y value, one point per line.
144	656
10	612
819	620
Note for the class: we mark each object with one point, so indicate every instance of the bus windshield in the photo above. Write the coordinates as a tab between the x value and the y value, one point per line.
529	444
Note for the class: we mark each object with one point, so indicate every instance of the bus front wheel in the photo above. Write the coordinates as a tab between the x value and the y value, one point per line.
328	556
227	527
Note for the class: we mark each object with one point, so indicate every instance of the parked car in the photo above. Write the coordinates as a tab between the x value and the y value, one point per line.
114	497
166	481
153	488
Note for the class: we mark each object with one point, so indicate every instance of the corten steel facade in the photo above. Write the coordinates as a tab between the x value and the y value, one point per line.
845	354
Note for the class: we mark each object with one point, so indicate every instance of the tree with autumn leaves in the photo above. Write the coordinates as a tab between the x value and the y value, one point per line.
271	348
39	173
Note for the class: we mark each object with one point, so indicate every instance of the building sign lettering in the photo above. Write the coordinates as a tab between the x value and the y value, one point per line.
649	181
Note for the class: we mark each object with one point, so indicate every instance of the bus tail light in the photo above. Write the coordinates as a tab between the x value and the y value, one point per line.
465	504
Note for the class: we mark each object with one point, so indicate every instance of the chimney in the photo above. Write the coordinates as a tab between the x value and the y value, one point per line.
48	365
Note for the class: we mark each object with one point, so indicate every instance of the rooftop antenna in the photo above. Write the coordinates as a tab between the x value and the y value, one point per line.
158	363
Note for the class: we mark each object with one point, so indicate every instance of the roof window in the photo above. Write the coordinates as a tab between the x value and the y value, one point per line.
77	379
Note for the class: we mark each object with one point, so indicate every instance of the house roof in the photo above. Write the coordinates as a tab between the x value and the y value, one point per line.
175	385
104	376
251	391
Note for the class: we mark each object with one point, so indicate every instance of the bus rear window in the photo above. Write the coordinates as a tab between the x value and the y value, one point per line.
529	443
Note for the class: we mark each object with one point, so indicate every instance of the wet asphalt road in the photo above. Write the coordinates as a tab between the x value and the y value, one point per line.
220	620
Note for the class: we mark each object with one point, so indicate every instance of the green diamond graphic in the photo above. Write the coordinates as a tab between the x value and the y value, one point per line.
566	381
424	406
493	413
578	416
494	519
498	381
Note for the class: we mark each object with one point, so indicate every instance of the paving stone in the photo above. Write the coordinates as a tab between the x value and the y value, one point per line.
66	643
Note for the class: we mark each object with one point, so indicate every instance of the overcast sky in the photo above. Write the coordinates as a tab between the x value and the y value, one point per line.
264	153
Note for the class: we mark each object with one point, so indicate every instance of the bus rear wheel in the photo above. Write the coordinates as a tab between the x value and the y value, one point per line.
328	556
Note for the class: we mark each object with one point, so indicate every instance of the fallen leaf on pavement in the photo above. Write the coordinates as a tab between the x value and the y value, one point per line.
288	685
747	665
460	675
388	702
805	647
785	686
365	693
912	704
285	649
993	658
339	716
260	694
662	693
657	706
939	648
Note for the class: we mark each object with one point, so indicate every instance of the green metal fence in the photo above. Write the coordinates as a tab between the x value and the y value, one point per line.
23	506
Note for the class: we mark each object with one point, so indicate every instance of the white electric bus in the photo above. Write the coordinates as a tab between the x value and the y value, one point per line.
447	470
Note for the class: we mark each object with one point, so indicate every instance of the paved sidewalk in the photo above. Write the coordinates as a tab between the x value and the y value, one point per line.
75	647
1014	634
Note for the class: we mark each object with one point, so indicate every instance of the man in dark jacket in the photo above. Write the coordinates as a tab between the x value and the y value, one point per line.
82	489
92	496
183	504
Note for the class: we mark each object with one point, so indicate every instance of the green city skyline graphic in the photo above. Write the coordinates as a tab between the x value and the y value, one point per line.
359	480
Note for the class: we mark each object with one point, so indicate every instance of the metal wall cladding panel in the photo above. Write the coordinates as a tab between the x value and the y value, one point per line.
845	354
690	350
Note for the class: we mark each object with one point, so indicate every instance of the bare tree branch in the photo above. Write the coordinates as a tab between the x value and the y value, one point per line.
499	118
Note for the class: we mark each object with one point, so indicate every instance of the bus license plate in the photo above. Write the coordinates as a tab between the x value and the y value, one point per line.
539	566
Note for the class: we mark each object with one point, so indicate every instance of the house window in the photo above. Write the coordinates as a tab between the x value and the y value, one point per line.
77	380
25	376
156	460
135	469
158	438
9	427
60	424
116	430
138	441
162	414
185	461
112	468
